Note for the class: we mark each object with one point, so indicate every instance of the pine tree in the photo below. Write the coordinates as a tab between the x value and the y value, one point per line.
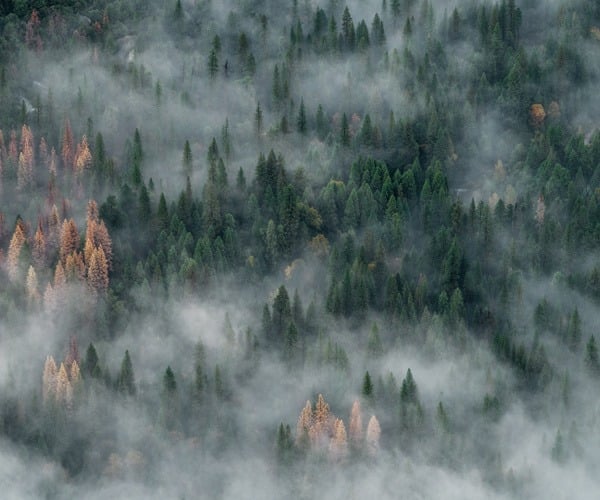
91	367
281	313
213	64
321	123
199	376
574	331
284	444
367	388
301	120
126	379
258	120
592	359
345	131
169	383
408	392
187	159
374	346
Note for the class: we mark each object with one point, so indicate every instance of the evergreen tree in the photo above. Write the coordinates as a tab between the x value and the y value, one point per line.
187	159
301	120
367	388
345	131
258	120
126	379
91	368
213	64
592	359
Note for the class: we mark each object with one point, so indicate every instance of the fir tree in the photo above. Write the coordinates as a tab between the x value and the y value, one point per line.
126	379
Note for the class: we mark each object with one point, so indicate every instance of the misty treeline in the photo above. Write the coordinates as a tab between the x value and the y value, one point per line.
348	248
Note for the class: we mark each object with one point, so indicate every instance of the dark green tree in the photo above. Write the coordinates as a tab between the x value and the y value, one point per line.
213	64
301	120
187	159
592	360
126	379
367	388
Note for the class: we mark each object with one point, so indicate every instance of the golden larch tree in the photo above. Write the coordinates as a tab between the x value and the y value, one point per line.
38	250
25	167
91	212
319	431
305	421
13	150
43	151
64	391
102	240
14	252
540	210
88	250
75	373
53	163
50	301
24	175
83	157
338	446
355	427
373	435
75	267
27	144
73	353
68	150
69	239
60	277
537	114
49	379
31	284
54	229
97	276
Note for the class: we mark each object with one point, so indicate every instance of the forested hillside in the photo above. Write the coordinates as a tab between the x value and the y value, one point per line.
300	248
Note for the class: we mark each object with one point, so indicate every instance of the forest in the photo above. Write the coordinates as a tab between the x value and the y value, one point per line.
299	248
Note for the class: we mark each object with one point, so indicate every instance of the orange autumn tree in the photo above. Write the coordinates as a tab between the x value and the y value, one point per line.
338	446
69	239
14	251
97	235
68	149
26	159
38	250
97	275
318	429
537	114
83	157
